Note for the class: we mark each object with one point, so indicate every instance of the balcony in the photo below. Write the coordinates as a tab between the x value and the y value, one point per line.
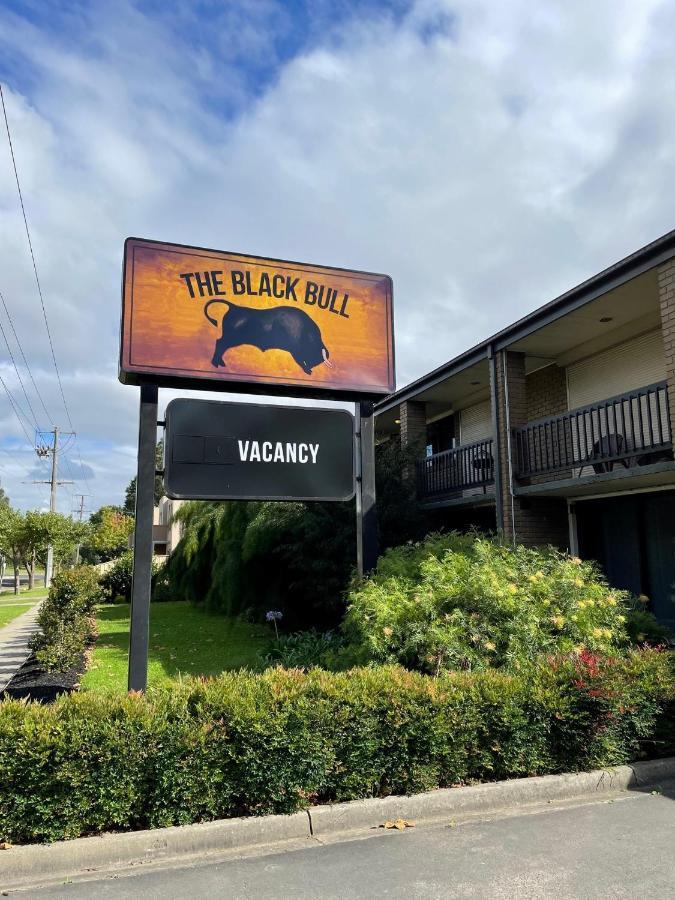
462	471
626	432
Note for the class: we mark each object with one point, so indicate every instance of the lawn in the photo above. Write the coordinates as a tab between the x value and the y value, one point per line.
8	593
9	611
183	640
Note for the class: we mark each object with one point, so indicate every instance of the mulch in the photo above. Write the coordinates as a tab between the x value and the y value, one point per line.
33	682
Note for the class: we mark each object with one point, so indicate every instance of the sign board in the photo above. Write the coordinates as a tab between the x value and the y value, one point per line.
246	451
225	321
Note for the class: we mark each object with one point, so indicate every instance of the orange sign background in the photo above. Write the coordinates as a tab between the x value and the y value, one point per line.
165	331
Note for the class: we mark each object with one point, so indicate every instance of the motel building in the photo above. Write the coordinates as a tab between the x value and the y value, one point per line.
557	430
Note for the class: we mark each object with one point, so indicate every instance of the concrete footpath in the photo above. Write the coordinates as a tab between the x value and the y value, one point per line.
197	847
615	847
14	640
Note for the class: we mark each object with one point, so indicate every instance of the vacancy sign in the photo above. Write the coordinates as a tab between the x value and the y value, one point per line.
245	451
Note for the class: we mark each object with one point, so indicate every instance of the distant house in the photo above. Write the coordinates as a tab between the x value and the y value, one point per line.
557	430
165	532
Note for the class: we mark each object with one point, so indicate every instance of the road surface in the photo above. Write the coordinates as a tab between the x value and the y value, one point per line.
621	848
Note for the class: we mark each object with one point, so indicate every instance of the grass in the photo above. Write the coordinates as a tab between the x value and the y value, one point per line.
184	640
8	593
11	611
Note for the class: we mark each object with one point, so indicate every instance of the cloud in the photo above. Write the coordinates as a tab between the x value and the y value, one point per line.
487	156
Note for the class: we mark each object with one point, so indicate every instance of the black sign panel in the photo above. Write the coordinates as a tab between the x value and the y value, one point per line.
247	451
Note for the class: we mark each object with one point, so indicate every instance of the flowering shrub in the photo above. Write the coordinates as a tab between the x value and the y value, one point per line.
466	602
246	744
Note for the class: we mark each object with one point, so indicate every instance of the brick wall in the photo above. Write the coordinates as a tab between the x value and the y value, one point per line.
530	521
413	425
666	278
546	393
547	396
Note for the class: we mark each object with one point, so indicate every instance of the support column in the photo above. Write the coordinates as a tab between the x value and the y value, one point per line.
145	505
666	280
413	425
525	520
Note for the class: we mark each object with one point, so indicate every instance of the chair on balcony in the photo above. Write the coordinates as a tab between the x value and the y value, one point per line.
484	466
609	445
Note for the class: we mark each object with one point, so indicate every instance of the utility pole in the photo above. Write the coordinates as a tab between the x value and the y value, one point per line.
80	514
53	483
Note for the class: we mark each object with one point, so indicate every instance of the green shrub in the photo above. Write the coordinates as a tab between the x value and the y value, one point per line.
246	744
466	602
303	649
642	626
116	581
66	618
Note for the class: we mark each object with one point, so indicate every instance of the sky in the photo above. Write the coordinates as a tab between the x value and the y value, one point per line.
488	156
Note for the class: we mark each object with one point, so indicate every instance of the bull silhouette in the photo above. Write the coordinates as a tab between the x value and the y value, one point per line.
280	328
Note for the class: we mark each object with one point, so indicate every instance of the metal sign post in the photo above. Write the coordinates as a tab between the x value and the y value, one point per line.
366	510
145	504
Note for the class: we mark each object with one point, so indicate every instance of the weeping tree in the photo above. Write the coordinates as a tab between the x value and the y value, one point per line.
248	557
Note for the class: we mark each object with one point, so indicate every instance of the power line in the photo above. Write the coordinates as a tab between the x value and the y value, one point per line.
32	256
23	356
15	407
18	375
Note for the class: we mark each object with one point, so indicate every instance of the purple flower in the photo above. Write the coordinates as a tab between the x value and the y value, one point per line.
273	615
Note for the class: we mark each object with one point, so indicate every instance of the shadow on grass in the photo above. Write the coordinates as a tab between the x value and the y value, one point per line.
183	640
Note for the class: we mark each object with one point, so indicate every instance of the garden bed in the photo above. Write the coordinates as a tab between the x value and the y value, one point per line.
34	683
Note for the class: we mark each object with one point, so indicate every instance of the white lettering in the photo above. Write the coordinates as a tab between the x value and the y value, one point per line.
243	450
291	450
255	451
314	450
302	453
279	452
267	451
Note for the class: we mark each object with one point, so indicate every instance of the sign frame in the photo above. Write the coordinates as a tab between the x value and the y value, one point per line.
266	388
262	407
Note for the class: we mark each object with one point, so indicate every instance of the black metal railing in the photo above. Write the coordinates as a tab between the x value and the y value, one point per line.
631	429
457	470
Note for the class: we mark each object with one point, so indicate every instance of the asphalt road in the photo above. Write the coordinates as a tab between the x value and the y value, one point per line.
619	848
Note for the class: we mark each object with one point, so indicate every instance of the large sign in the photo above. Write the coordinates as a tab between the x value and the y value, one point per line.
245	451
215	320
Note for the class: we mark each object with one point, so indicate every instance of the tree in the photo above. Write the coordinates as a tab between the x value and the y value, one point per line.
44	529
11	534
110	531
130	492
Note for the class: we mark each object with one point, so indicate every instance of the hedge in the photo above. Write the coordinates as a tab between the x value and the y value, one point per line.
66	619
247	744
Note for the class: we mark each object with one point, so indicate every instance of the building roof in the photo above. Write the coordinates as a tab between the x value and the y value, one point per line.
653	254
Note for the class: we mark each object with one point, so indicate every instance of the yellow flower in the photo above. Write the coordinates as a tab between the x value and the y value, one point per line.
489	645
575	561
581	604
610	600
512	589
621	618
643	598
558	621
578	582
598	632
388	631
